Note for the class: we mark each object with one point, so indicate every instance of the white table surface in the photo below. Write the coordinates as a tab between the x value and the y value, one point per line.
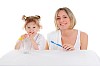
50	58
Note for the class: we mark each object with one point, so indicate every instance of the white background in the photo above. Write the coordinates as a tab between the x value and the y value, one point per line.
87	13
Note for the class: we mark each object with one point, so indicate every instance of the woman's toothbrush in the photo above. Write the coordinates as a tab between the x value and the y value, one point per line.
56	43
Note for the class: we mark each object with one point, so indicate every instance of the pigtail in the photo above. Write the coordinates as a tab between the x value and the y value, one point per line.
34	19
24	17
37	17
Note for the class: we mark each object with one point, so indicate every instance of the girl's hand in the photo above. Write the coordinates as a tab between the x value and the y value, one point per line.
31	36
23	36
68	47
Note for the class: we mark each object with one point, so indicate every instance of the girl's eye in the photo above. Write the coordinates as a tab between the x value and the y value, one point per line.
33	27
28	27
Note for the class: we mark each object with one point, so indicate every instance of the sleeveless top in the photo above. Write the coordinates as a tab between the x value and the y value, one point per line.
55	36
27	45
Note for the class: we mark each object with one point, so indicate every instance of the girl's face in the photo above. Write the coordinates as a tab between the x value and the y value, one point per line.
63	20
32	28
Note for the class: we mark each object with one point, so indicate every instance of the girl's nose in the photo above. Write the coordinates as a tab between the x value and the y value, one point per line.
31	30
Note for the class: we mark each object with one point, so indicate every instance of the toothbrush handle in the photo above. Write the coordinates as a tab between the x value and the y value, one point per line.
59	45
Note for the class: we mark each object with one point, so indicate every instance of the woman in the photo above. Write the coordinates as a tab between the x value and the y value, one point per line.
65	36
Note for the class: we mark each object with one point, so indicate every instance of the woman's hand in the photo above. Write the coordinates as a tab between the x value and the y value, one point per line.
68	47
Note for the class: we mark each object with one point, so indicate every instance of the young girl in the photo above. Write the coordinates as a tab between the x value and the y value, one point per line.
32	40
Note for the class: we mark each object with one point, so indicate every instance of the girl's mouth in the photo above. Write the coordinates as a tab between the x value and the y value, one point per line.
31	32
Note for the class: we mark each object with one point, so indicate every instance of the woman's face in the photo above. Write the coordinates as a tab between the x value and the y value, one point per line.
32	28
63	20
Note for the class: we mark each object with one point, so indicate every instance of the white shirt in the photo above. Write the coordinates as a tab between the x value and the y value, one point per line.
56	37
40	40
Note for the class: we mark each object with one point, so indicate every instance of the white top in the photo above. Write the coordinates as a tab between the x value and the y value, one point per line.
51	58
56	37
27	45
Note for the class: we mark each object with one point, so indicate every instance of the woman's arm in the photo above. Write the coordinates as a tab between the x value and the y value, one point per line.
84	41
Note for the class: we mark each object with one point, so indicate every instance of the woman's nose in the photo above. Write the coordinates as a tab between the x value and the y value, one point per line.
61	20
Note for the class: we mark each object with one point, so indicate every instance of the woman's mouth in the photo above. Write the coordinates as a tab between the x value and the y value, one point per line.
63	24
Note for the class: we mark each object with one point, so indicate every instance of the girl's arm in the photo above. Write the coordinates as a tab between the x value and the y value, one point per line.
47	46
19	42
35	45
17	46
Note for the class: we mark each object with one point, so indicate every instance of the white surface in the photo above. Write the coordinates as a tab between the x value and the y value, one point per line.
50	58
87	13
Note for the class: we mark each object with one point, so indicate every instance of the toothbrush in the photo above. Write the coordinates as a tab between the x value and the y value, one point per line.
56	44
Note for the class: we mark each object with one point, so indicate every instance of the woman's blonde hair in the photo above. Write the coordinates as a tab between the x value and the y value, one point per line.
70	15
29	19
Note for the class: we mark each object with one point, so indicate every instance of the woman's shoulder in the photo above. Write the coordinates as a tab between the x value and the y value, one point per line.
83	34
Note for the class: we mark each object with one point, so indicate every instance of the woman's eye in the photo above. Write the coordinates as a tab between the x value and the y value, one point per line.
33	27
58	18
65	17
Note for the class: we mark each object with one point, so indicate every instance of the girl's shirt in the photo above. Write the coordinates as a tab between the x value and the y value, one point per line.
27	45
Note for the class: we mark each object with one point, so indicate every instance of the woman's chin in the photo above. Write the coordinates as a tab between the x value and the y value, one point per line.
63	28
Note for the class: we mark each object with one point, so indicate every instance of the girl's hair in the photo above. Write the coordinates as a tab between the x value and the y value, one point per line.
70	15
34	19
